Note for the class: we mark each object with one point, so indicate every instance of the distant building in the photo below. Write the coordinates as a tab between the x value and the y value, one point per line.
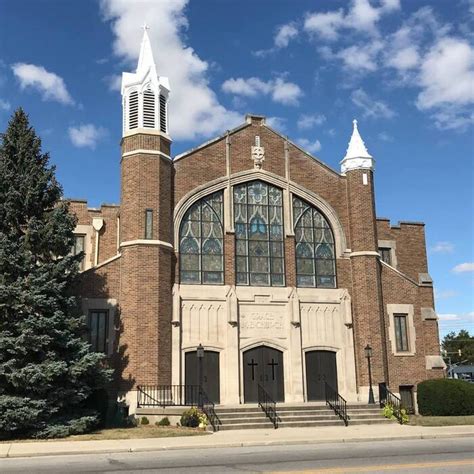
250	246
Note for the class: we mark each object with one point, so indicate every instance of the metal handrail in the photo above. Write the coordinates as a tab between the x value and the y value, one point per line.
167	395
386	397
336	402
268	405
208	408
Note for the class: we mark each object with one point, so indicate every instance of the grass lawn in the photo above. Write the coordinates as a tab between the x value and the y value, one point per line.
142	431
441	420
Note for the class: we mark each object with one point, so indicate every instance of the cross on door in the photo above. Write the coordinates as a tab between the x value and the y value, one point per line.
253	364
273	364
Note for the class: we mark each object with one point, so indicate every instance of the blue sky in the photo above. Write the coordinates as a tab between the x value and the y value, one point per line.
403	68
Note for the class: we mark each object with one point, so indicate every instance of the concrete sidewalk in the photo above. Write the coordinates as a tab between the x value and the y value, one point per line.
238	438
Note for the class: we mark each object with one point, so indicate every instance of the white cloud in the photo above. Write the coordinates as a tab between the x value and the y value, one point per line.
447	82
281	91
464	267
385	137
284	34
86	135
444	294
448	317
362	16
311	146
361	58
195	110
325	25
305	122
406	58
278	123
371	108
5	105
447	74
114	82
442	247
50	85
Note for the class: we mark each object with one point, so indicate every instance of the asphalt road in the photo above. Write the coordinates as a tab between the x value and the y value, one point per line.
453	455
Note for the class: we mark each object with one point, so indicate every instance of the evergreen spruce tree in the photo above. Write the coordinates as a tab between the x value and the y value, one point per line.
47	370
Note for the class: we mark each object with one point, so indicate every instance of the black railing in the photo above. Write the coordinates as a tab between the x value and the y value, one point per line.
268	405
337	403
386	397
208	408
168	395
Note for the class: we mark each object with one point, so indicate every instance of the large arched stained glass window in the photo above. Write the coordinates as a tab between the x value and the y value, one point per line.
201	247
315	258
258	217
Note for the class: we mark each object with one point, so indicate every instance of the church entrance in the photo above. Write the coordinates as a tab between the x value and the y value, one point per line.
320	368
210	373
263	365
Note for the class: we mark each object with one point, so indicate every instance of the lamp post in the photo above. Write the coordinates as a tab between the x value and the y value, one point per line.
368	355
200	356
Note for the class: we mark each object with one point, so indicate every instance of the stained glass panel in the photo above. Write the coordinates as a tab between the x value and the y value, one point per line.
315	256
258	216
201	246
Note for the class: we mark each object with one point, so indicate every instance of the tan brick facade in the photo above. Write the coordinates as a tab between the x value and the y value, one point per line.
139	274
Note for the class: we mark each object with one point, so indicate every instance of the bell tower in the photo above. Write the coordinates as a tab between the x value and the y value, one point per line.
369	326
146	224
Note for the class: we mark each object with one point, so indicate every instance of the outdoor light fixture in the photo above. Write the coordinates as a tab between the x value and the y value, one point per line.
200	351
368	354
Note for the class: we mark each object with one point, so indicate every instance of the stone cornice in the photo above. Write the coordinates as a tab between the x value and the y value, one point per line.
159	243
146	152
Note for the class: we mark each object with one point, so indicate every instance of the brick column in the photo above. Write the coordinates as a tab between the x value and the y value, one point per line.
367	304
146	264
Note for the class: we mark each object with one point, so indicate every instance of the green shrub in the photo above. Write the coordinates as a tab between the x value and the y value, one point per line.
388	412
193	417
144	421
163	422
445	397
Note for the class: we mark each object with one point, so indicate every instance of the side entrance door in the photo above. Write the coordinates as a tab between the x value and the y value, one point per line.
320	368
210	374
263	365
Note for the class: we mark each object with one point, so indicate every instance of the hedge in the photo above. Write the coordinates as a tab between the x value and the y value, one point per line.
445	397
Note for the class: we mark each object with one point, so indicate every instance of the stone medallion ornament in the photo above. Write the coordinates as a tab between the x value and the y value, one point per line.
258	154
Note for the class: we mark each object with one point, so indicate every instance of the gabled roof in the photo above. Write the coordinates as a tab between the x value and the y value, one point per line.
248	122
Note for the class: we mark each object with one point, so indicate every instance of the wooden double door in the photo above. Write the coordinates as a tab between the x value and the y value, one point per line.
209	377
263	365
320	368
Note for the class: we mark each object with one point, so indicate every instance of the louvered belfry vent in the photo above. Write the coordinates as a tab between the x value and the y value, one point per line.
133	110
149	109
163	127
145	95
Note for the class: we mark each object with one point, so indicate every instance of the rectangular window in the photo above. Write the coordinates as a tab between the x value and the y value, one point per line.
78	247
386	255
149	224
97	324
401	334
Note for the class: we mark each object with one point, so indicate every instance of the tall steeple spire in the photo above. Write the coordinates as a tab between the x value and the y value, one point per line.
145	94
145	60
357	156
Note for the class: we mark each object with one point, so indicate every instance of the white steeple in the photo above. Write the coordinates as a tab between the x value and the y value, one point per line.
357	156
145	94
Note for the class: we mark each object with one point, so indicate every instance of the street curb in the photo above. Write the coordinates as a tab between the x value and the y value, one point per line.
244	444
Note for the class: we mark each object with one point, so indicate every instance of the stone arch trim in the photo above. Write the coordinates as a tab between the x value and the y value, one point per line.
222	183
252	344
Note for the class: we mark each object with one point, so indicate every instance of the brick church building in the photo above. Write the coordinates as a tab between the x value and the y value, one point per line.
247	245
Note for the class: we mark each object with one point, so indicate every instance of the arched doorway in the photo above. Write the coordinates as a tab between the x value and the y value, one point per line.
263	365
320	368
210	373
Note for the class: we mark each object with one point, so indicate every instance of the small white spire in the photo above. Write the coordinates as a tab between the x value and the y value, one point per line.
357	156
145	60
